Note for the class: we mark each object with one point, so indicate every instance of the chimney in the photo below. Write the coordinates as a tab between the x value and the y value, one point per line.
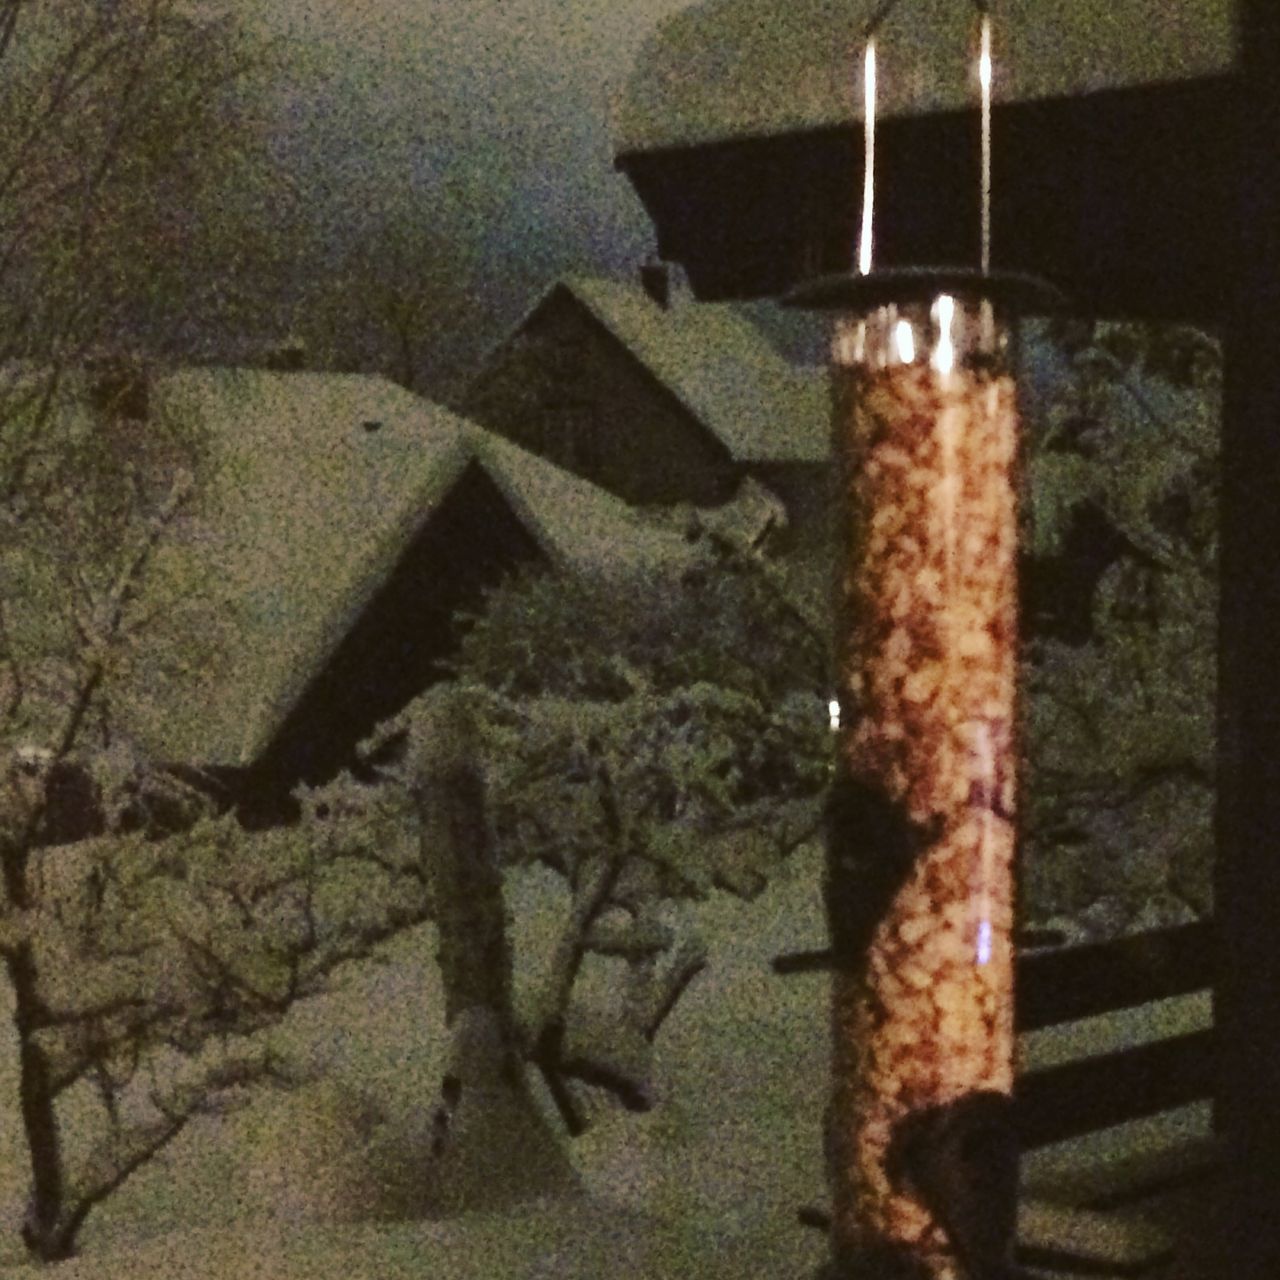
655	280
118	385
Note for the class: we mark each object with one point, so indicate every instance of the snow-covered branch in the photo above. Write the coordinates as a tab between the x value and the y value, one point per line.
134	950
129	1145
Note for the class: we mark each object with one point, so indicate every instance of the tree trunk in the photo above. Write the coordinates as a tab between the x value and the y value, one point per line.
461	867
42	1227
491	1146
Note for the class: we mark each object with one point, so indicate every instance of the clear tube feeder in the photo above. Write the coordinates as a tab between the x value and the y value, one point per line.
922	854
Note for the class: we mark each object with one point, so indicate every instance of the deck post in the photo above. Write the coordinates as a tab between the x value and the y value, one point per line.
1247	907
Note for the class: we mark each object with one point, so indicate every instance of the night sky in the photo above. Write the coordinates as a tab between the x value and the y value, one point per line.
490	117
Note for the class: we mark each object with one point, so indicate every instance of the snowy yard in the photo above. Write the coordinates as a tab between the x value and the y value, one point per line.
705	1185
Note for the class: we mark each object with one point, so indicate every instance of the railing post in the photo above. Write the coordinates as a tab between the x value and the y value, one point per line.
1247	907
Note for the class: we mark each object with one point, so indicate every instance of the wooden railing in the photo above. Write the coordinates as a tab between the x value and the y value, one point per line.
1113	1032
1114	1093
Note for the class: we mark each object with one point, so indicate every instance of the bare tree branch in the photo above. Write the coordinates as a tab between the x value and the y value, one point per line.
13	688
666	987
8	24
118	598
127	1148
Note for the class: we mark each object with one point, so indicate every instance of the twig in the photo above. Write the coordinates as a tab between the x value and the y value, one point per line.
127	1150
8	24
690	959
632	1095
803	962
547	1055
9	661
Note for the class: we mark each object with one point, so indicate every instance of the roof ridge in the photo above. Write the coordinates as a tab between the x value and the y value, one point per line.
679	346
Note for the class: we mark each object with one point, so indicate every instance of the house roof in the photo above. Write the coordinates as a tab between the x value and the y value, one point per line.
302	511
315	485
727	69
582	527
720	367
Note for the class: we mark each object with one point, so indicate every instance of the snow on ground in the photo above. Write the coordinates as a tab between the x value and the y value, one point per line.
706	1185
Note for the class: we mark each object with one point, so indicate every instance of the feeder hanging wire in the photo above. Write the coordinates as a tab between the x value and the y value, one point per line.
984	77
869	31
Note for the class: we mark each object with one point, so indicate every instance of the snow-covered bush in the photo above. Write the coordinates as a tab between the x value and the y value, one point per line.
726	621
647	742
1121	591
701	698
144	972
685	770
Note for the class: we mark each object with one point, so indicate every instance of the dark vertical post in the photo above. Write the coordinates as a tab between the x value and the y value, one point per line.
1248	838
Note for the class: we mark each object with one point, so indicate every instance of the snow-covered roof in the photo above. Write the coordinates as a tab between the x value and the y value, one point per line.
316	483
303	507
581	527
744	68
720	367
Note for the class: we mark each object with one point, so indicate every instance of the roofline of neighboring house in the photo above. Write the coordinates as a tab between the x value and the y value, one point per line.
464	461
499	344
748	461
520	508
354	601
664	389
669	393
467	460
472	466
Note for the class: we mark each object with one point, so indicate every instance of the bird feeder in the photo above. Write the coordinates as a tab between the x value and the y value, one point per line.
923	824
